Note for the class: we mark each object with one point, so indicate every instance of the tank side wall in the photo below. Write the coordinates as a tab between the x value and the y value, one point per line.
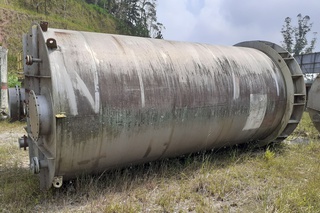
314	103
131	100
314	95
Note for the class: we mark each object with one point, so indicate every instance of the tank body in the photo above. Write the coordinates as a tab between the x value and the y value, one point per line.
314	102
3	83
99	101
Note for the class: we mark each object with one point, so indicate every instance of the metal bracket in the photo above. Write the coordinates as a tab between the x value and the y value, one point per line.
44	26
23	142
30	60
52	43
61	115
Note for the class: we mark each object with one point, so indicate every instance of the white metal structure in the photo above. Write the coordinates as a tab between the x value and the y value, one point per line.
4	83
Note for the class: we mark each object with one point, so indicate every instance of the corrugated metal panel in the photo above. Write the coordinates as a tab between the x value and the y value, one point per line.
309	63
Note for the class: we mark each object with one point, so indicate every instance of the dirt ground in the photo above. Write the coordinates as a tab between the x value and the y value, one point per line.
9	134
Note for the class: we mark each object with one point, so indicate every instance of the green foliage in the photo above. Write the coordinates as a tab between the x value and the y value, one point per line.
70	14
13	80
295	37
287	32
12	64
135	17
269	155
305	129
130	17
18	187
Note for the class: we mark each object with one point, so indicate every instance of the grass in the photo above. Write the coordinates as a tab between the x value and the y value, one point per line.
279	178
17	16
305	129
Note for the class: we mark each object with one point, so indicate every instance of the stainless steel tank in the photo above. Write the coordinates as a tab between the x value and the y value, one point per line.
314	103
99	101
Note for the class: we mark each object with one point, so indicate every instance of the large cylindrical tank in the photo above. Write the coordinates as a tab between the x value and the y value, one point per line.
3	83
314	103
99	101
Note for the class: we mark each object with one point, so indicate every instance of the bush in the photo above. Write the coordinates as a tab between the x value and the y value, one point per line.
13	80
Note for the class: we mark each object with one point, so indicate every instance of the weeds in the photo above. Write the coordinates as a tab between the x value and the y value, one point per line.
279	178
305	130
269	155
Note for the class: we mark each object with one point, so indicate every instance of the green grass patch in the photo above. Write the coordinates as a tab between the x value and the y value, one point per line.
280	178
17	17
6	126
305	129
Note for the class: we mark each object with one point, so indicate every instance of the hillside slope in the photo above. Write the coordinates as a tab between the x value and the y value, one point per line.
16	18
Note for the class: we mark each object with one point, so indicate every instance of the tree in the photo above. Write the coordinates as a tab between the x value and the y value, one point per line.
135	17
295	37
149	16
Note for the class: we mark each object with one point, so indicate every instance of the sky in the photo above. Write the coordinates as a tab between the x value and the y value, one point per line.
227	22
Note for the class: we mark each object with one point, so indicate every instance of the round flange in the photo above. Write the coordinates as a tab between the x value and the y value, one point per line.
57	181
295	87
16	98
39	113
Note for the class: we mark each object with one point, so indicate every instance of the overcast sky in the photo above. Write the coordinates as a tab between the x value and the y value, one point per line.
227	22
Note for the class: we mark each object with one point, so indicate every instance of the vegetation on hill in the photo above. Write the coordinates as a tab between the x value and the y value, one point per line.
137	17
129	17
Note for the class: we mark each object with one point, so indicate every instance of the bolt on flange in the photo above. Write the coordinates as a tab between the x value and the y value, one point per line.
30	60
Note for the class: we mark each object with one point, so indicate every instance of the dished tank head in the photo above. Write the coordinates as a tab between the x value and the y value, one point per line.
314	103
98	101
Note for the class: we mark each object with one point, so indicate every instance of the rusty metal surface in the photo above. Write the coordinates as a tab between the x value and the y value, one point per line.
314	103
114	100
